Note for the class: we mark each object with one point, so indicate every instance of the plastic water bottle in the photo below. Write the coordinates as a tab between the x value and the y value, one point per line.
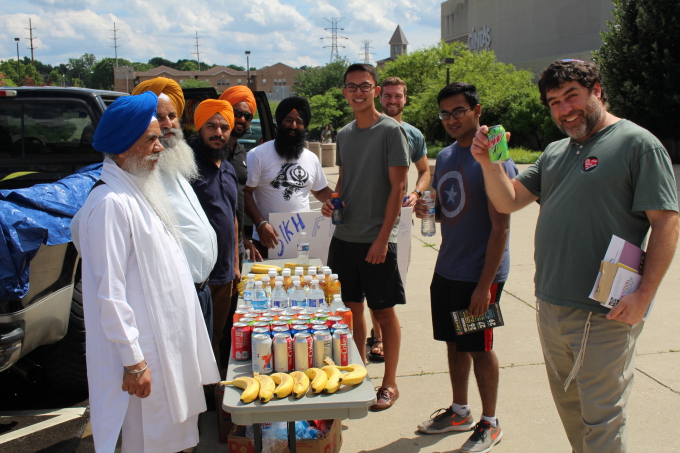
279	297
248	290
303	249
338	214
247	257
337	303
428	228
260	301
297	297
315	296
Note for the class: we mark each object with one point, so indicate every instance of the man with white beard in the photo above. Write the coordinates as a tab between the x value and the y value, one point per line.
177	169
148	351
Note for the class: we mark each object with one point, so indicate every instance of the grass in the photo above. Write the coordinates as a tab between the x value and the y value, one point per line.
519	154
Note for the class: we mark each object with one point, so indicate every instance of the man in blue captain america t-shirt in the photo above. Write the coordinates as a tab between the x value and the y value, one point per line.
472	267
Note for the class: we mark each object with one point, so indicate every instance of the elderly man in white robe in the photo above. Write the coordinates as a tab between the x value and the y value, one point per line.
148	351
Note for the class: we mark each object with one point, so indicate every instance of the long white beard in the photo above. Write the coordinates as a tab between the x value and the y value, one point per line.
150	184
178	157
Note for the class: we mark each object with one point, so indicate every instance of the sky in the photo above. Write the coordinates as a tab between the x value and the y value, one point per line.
286	31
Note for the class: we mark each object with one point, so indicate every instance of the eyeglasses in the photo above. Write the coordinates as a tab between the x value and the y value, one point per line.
444	115
365	87
241	114
293	121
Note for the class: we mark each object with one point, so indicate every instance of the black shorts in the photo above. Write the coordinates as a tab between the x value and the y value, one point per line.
449	295
380	283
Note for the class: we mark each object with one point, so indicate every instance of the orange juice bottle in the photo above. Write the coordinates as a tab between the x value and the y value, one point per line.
334	288
287	282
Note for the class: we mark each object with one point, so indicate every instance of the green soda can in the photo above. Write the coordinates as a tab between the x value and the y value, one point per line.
498	145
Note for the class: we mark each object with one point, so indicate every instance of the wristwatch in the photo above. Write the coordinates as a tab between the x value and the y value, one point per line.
419	193
260	224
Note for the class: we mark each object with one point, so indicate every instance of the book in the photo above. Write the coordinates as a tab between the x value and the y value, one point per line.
465	324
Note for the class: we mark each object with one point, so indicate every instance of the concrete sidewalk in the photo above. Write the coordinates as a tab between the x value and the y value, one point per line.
525	408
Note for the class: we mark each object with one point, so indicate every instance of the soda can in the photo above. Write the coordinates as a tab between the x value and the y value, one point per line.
244	307
320	328
304	352
323	315
261	330
498	145
299	322
238	314
271	314
318	322
333	320
286	318
280	329
262	354
266	319
322	345
257	313
240	341
277	312
305	317
346	315
283	353
341	339
261	324
248	320
294	330
297	311
279	323
339	326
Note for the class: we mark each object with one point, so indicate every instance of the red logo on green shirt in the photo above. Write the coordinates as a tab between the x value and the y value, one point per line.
590	163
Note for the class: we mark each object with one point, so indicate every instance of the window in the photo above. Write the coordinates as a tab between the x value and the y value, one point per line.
264	82
222	81
238	81
283	82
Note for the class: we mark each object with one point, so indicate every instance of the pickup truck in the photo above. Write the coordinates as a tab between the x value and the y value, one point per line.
46	135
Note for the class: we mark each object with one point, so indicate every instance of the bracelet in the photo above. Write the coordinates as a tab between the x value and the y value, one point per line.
419	193
260	224
138	372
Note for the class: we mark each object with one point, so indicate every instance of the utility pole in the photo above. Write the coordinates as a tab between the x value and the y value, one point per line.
115	41
334	37
30	29
367	51
197	53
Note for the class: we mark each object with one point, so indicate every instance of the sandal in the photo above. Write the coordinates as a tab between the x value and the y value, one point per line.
370	340
379	355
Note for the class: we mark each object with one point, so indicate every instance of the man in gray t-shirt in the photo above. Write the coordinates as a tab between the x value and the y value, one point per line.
611	177
373	156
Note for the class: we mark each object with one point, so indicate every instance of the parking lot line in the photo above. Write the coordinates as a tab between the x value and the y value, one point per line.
62	416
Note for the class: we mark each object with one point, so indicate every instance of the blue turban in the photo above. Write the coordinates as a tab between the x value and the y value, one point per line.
126	119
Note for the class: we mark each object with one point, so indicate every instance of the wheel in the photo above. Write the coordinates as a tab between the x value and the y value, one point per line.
64	361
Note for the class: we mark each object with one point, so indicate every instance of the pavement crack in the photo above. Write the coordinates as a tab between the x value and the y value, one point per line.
519	299
658	381
433	373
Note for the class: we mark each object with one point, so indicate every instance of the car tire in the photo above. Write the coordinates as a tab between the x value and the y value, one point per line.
64	361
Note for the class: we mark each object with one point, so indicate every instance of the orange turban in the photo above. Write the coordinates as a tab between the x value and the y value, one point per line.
240	93
163	85
208	108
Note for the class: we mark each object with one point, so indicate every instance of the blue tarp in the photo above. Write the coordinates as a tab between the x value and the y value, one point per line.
34	216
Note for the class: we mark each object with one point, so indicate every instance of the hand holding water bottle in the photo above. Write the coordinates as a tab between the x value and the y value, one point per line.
425	210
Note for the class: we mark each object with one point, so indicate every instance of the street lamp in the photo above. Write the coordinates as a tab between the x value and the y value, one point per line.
248	68
448	61
18	64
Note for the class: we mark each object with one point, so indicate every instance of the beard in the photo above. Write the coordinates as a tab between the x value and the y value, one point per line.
148	181
289	146
211	153
238	134
178	156
592	116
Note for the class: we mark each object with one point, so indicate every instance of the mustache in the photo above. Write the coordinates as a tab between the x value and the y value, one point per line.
216	137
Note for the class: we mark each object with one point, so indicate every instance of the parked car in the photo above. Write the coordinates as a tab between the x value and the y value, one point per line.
253	136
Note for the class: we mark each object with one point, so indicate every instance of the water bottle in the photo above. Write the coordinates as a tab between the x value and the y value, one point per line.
247	257
248	290
315	296
279	297
337	303
428	228
293	279
338	214
298	297
303	249
260	301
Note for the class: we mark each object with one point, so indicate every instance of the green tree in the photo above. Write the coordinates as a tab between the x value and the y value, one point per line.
6	81
236	67
640	63
188	66
158	61
329	108
315	81
29	75
194	83
102	73
81	68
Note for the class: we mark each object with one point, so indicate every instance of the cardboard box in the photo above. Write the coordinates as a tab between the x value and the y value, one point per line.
329	444
224	423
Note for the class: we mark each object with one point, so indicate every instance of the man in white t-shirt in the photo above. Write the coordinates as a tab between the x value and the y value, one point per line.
282	173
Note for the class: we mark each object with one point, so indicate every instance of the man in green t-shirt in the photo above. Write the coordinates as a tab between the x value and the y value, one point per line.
610	177
373	159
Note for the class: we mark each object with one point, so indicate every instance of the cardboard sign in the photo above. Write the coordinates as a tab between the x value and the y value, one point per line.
320	230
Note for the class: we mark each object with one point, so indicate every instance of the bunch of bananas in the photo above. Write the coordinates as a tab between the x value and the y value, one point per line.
263	268
280	385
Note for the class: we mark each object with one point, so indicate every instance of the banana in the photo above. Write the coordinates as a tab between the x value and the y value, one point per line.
319	379
251	388
333	383
355	374
267	387
284	384
261	268
301	383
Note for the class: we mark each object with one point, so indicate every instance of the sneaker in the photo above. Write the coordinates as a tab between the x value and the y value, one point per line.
483	439
385	399
445	420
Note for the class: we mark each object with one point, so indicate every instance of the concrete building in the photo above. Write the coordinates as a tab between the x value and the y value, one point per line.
529	34
275	80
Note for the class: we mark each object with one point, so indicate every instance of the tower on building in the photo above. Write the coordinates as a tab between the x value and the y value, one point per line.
398	43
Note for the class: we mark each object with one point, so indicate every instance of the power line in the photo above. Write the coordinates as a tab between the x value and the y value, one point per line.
197	53
334	37
30	29
115	41
367	51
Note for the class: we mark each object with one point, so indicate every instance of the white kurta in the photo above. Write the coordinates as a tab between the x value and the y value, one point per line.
129	320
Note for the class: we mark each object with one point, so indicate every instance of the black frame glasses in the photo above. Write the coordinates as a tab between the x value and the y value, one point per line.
444	115
364	87
241	114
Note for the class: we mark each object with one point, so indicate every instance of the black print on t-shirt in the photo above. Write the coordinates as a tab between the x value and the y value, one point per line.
292	177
